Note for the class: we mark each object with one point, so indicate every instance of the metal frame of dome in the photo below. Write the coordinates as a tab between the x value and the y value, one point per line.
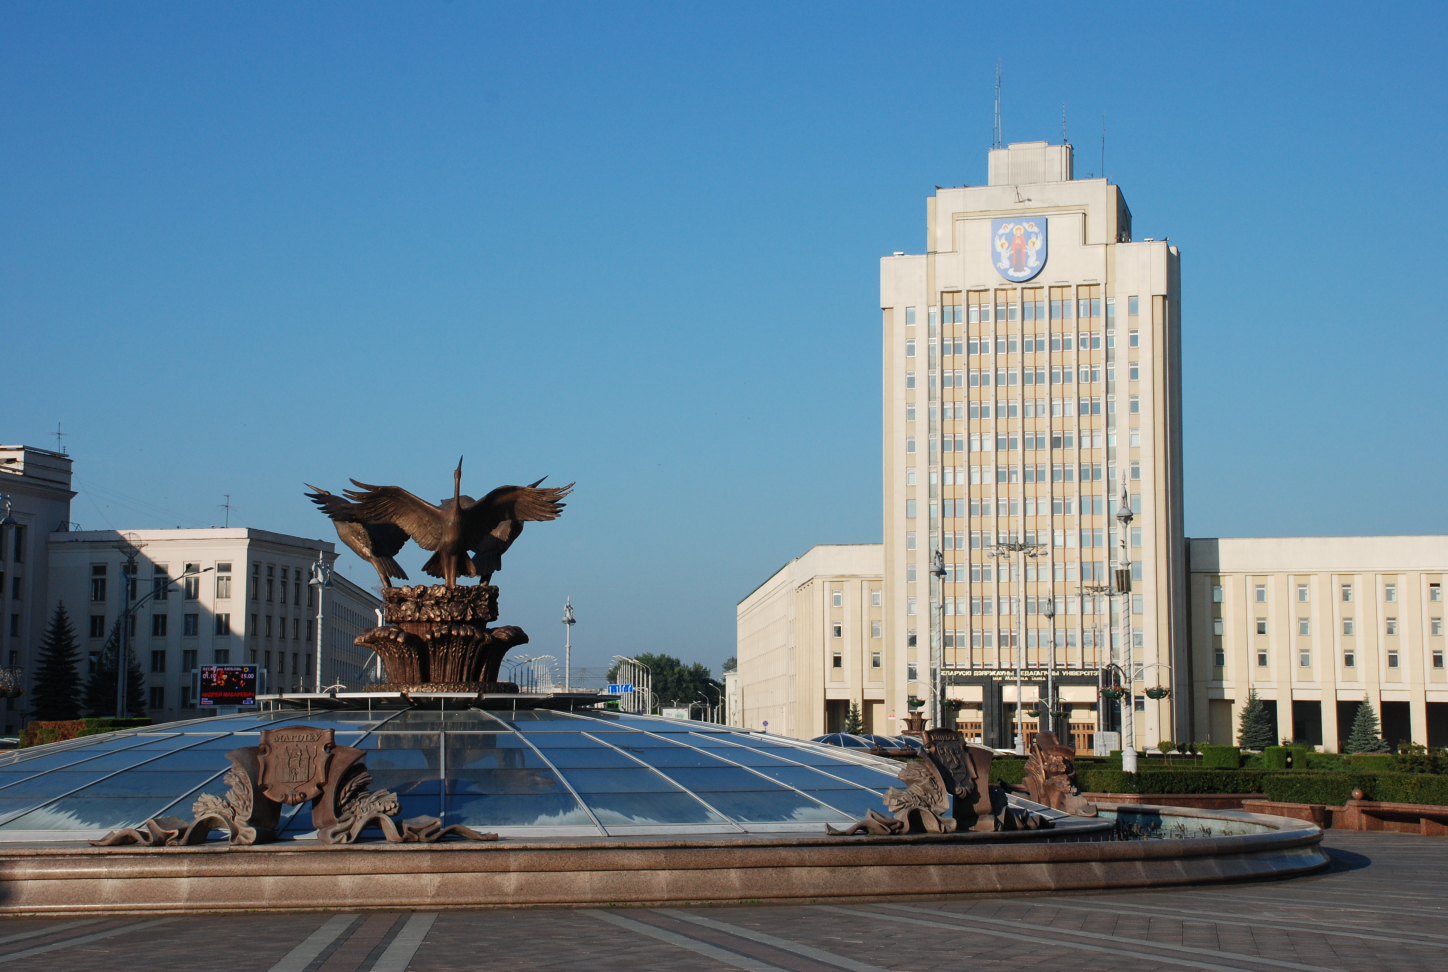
533	772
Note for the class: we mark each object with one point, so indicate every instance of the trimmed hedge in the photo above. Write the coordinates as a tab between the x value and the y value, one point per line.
1171	781
1285	757
1221	757
1335	789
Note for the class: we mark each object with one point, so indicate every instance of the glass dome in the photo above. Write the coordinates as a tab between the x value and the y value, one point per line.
531	772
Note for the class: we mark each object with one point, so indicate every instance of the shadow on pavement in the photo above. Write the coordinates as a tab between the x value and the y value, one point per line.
1344	860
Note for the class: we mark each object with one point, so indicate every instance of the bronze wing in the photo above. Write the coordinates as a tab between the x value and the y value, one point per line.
392	504
521	503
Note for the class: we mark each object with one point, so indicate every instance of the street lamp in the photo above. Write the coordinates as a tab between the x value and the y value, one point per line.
1050	614
937	644
128	611
570	621
1002	550
322	581
628	673
8	520
1123	587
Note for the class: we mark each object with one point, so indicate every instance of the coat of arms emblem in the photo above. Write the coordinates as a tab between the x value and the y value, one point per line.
294	763
1019	246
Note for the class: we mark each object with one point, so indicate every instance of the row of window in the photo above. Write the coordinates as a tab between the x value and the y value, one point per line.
1027	441
1345	591
1008	604
1039	638
837	629
1059	539
837	597
1061	570
1035	506
974	345
1304	658
1304	627
1028	408
975	307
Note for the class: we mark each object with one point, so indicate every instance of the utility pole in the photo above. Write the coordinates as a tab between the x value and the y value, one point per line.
937	644
130	548
322	581
1123	587
569	621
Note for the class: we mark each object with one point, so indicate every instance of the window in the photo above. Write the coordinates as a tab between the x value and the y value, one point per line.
910	445
191	581
1216	593
1135	469
911	607
1392	658
188	660
838	597
255	582
223	582
1261	658
1218	627
1302	593
910	573
158	696
1347	627
186	697
909	317
912	671
1261	626
909	411
837	630
309	632
1435	627
1219	657
1435	592
874	629
909	511
909	379
837	661
221	656
18	550
1304	627
875	659
1349	659
1304	659
910	541
1390	593
160	583
158	625
270	581
1261	593
158	661
1392	624
98	583
910	347
223	624
1437	657
255	626
1347	593
98	626
909	481
1131	305
875	597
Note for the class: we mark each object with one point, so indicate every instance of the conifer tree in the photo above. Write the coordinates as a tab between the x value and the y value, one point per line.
1366	735
57	680
854	722
100	689
1255	728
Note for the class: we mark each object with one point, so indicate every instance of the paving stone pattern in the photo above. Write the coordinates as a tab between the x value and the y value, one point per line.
1382	907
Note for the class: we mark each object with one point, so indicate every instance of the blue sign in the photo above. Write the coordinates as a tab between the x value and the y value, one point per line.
624	688
1019	246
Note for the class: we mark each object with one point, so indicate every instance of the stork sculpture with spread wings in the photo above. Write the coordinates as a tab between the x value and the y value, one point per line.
437	638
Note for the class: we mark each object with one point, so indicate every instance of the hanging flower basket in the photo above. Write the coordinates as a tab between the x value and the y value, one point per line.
1158	692
916	703
1113	692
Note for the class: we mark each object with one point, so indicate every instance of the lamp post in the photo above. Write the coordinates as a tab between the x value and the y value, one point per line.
322	581
128	611
1123	587
643	687
1003	551
1050	614
569	621
937	644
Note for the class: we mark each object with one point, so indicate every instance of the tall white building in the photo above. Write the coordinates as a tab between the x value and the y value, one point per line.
1031	365
246	599
37	483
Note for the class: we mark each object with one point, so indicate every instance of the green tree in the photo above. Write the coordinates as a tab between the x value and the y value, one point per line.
730	664
57	678
855	721
1255	728
1366	735
674	682
100	688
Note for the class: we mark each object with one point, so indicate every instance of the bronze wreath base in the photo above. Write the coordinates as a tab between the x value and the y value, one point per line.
438	639
292	765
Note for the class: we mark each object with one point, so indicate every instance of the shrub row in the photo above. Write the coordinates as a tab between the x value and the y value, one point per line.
40	733
1171	781
1335	789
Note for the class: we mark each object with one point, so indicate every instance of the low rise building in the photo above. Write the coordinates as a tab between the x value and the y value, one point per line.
811	644
240	595
1316	625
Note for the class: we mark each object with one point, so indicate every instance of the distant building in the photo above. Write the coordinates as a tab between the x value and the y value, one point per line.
811	642
1315	625
37	482
248	600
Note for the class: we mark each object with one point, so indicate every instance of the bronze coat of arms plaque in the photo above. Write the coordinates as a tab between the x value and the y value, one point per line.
293	763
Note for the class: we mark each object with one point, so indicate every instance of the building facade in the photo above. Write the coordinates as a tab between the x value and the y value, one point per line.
241	596
1316	625
37	483
811	642
1031	365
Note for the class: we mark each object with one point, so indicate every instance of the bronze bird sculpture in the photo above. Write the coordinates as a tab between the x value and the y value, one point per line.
376	543
461	524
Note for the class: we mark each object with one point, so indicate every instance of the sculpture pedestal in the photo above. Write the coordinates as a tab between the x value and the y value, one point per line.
438	639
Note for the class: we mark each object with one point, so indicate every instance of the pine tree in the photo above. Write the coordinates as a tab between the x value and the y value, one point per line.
854	722
1255	729
100	688
1366	735
57	680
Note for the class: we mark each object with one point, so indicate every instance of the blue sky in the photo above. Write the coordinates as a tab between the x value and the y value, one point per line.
251	245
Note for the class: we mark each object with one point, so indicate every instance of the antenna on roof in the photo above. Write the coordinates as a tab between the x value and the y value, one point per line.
996	134
1103	145
227	507
1064	139
58	436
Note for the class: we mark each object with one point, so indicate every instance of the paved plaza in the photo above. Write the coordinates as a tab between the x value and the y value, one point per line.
1380	907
